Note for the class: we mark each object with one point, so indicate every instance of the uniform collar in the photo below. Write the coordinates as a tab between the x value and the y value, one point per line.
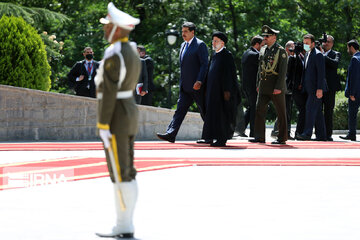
123	40
269	47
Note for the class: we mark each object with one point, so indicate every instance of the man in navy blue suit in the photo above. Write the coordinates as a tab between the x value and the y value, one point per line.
352	89
332	60
250	66
314	85
193	68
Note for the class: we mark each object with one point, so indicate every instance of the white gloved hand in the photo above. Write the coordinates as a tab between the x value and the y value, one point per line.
105	137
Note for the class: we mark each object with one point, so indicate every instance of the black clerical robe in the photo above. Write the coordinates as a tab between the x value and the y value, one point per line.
220	115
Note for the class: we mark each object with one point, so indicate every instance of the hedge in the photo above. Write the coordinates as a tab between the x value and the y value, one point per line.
23	61
340	118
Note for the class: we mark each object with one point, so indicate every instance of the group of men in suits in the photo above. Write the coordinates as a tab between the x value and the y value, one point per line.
311	81
269	73
212	86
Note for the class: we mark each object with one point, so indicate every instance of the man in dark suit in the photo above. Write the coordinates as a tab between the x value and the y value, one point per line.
271	86
332	59
295	71
147	99
141	89
314	84
82	75
193	68
250	66
352	89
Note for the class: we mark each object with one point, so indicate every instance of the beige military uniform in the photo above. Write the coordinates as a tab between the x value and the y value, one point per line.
271	75
116	80
272	69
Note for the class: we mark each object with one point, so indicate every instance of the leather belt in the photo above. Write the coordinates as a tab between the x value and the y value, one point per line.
119	95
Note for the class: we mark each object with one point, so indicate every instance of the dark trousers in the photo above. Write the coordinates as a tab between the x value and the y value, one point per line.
300	102
250	112
260	115
314	117
138	98
186	99
328	105
124	158
240	120
289	102
147	99
353	109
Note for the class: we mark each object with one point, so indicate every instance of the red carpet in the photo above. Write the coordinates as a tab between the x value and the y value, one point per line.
87	168
85	146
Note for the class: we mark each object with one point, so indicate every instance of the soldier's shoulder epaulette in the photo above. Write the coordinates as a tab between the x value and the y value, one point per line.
283	52
112	50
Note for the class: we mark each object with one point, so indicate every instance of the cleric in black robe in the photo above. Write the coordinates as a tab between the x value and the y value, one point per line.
222	94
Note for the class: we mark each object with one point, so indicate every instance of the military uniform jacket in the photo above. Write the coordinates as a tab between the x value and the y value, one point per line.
118	73
272	69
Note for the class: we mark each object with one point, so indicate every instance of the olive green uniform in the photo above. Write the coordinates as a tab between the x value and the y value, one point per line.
271	75
117	111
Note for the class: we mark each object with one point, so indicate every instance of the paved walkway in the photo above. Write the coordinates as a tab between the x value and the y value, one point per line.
222	202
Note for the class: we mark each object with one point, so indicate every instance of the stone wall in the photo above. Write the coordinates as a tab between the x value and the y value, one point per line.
27	114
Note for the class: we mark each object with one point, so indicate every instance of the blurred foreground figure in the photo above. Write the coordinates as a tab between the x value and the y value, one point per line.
118	115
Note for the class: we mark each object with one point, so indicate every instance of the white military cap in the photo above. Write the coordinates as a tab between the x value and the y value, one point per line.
119	18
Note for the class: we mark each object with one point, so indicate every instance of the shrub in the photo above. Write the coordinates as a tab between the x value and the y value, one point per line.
23	61
340	118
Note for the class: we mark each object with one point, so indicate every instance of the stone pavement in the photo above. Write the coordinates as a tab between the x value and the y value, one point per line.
237	202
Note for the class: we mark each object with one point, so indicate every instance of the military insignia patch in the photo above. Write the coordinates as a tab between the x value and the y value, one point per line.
108	64
283	55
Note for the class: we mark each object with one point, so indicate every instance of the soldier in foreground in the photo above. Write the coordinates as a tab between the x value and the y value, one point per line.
118	114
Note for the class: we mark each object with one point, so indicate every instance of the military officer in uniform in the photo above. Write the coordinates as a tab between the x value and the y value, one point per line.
271	86
117	115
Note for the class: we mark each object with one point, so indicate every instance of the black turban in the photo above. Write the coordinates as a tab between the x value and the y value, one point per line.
220	35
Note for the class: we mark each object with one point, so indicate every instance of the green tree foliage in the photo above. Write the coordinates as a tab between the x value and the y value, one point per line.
23	61
33	15
240	19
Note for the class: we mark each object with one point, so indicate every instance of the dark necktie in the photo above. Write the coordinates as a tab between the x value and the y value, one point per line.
186	47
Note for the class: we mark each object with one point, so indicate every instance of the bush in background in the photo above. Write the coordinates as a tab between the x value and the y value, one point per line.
340	118
23	61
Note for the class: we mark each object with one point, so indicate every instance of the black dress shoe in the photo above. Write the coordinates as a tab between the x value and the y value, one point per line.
320	139
329	139
237	134
278	142
204	141
257	140
218	144
348	137
303	137
166	137
115	235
